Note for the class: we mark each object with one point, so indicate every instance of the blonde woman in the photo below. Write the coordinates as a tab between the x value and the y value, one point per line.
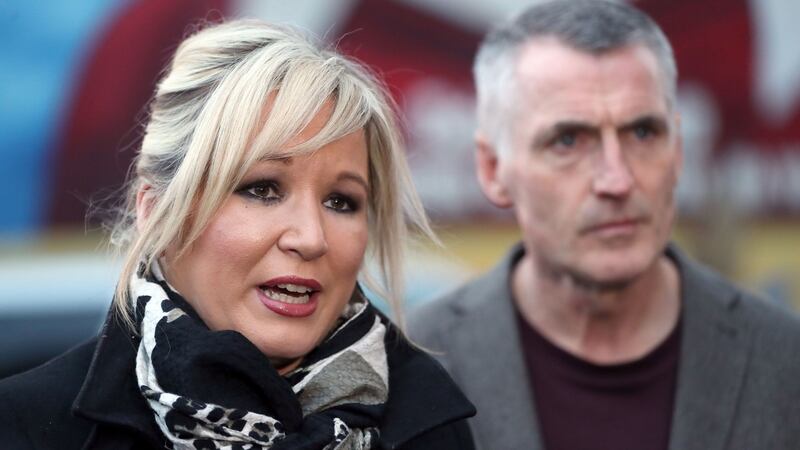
270	168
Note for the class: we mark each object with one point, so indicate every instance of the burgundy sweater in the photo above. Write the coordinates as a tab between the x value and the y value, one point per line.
581	405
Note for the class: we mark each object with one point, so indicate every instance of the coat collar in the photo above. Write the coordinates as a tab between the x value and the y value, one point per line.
715	349
110	394
488	329
422	395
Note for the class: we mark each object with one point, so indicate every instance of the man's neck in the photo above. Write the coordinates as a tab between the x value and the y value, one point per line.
604	325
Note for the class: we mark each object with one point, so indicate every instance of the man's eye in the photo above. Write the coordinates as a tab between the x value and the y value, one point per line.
643	132
340	204
566	139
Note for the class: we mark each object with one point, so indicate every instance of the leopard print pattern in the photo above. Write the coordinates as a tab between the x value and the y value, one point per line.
190	424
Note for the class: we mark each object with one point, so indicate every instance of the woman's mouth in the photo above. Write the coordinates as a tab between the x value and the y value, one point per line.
289	293
290	296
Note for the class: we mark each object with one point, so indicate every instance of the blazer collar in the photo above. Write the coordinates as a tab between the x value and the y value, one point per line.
715	349
496	376
110	394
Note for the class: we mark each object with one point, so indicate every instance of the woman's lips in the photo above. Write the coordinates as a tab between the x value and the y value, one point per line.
290	296
289	309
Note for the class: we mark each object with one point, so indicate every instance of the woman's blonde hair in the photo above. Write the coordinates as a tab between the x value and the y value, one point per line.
235	93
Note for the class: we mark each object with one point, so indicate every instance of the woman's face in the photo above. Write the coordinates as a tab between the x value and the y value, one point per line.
279	261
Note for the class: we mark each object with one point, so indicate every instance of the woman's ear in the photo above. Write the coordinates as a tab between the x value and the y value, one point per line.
144	205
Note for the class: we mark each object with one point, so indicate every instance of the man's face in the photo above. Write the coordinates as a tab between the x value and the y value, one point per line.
593	160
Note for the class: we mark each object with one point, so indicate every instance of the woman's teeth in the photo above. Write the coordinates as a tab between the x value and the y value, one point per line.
303	297
295	288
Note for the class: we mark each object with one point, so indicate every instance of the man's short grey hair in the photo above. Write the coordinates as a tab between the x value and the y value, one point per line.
592	26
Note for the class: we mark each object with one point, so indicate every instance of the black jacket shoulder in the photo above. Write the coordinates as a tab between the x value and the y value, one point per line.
37	404
87	399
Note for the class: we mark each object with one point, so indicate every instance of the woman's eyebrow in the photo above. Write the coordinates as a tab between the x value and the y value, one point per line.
276	158
353	176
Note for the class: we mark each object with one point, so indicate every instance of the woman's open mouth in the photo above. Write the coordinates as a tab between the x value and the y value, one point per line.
288	293
290	296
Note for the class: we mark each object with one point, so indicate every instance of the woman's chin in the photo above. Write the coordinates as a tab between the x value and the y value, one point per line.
283	355
285	365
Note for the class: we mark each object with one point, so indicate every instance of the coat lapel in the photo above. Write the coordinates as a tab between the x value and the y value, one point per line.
422	395
495	377
715	349
110	394
714	354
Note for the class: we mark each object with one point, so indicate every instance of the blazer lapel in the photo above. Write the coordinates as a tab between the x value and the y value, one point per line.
495	377
714	354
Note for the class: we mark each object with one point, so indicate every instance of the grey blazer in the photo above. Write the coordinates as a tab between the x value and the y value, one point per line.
738	376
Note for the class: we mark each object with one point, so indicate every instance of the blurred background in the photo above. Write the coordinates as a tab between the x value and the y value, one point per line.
75	79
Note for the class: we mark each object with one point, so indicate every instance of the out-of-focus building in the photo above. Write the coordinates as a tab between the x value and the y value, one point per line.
76	78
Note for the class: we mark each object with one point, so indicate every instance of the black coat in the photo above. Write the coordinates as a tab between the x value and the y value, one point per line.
88	398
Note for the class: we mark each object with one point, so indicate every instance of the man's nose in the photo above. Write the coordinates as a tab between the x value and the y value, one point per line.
304	234
613	176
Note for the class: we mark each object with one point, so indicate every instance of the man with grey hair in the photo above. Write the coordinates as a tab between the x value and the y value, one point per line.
595	332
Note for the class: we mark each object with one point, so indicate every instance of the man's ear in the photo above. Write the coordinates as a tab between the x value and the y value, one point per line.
144	205
678	148
487	165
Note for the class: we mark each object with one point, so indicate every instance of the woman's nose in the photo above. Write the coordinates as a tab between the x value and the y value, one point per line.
305	230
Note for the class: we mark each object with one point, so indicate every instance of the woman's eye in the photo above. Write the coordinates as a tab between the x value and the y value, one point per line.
340	203
265	191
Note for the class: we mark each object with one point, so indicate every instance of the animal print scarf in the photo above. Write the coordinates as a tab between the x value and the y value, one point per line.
216	390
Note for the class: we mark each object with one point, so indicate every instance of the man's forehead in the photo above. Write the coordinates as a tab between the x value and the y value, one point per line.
550	59
595	110
554	77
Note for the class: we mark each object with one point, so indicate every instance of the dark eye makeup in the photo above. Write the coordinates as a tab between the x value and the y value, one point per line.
269	192
342	203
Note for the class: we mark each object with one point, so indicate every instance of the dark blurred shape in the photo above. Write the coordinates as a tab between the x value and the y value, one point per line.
101	130
715	45
28	340
718	30
406	44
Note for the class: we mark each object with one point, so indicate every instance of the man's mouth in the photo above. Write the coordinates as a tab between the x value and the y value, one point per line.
614	227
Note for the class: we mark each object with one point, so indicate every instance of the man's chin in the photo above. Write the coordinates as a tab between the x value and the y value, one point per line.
611	272
594	282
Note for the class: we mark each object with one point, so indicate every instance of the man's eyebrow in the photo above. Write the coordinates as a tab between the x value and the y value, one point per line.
654	121
544	137
353	176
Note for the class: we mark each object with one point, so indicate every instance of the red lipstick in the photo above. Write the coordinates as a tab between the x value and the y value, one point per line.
290	296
